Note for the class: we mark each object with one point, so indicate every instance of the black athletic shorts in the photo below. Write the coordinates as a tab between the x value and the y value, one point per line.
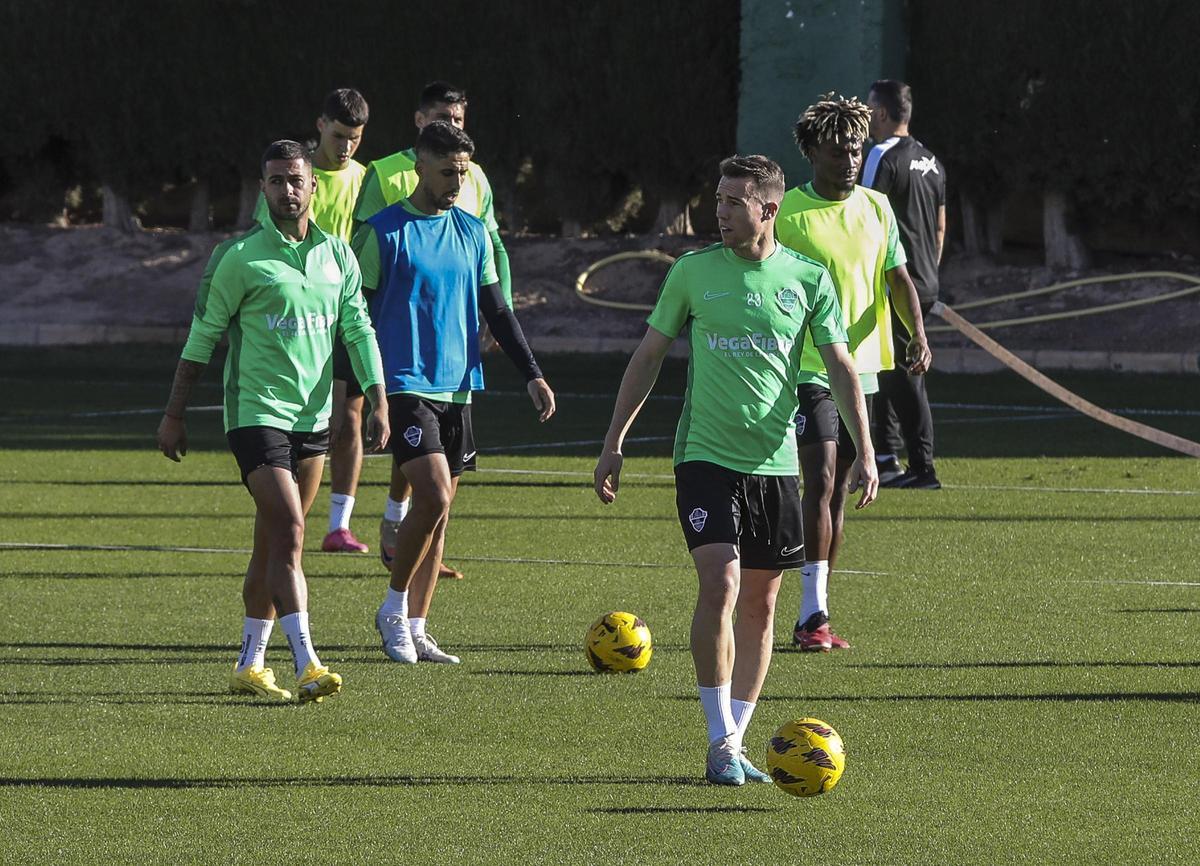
758	513
818	421
344	370
421	426
254	447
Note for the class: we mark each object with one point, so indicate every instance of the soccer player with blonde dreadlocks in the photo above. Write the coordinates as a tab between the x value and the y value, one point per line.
852	231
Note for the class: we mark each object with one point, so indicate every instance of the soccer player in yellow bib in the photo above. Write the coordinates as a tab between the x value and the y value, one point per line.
388	181
339	180
852	231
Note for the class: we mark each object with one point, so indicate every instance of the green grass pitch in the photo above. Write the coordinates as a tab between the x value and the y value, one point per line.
1023	684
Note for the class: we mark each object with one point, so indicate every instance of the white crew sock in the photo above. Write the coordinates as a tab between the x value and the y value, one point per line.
815	577
416	625
396	603
717	712
395	511
295	626
742	711
255	634
341	506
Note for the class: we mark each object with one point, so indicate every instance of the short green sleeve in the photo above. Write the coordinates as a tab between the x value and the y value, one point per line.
895	256
673	308
489	273
825	321
370	197
366	250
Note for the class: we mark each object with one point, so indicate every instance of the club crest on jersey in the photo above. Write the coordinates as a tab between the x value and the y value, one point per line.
413	435
787	299
698	518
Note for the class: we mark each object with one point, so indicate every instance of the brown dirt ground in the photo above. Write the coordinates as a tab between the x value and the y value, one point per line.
90	275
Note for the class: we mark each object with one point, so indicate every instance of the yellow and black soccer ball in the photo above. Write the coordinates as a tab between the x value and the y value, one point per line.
619	642
806	757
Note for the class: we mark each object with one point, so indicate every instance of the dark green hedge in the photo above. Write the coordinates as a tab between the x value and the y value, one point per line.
597	96
1098	99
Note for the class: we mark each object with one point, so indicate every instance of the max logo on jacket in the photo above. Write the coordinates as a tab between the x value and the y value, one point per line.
924	165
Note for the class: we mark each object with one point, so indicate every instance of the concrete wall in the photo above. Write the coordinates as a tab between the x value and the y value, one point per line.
794	50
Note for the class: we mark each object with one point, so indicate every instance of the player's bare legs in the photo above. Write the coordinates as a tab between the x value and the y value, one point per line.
345	442
712	634
818	468
837	509
753	631
424	582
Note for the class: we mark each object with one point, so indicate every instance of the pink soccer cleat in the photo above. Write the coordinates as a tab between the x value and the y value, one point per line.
343	541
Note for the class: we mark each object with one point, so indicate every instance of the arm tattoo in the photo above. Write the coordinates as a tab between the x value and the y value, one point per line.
186	374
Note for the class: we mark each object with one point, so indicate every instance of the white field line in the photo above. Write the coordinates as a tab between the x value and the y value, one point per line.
516	560
1140	582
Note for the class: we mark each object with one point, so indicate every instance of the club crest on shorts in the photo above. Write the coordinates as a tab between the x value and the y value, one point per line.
800	422
698	518
413	435
787	299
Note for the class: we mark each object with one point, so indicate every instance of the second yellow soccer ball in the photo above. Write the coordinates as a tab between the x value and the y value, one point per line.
618	642
806	757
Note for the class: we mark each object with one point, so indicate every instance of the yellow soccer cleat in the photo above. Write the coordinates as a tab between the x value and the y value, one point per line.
317	683
257	681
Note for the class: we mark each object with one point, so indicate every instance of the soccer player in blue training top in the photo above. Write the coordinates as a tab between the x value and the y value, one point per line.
429	273
747	305
284	291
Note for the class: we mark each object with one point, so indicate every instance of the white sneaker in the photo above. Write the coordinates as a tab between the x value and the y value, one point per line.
397	640
389	531
428	651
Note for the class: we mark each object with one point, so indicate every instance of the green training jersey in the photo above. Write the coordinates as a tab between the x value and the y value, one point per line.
394	177
333	201
858	241
747	320
282	303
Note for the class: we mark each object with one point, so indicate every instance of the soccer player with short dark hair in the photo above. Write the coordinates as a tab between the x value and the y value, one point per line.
747	305
388	181
283	292
429	271
852	231
914	181
339	180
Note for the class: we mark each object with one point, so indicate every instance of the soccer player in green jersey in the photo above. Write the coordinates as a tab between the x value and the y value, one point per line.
388	181
283	292
339	180
852	231
747	305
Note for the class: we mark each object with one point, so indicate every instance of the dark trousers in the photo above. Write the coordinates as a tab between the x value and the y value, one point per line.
902	416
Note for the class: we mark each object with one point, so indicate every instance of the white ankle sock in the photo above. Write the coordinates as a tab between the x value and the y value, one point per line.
416	625
815	577
396	603
341	506
742	711
395	511
295	626
255	635
717	712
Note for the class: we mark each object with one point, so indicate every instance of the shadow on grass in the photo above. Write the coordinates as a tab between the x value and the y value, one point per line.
1049	697
512	673
1159	610
385	781
951	666
678	810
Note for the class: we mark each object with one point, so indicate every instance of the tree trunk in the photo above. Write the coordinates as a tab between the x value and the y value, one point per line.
117	214
674	218
571	228
199	216
973	228
994	235
247	199
1060	233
